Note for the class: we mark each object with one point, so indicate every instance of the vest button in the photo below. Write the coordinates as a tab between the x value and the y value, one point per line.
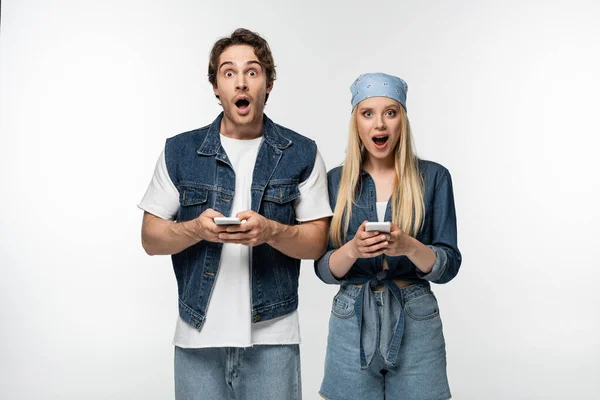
256	318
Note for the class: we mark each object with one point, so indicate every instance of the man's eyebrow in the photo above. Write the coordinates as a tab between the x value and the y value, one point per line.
225	63
251	62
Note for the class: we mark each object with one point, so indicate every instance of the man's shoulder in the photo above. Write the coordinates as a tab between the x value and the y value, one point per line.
294	136
185	143
189	136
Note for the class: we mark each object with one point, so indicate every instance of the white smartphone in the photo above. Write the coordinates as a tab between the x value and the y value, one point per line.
227	221
378	226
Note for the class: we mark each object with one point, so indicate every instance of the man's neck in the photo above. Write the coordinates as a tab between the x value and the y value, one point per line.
241	132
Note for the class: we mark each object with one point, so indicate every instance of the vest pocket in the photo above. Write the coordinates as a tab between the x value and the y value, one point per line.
278	200
193	201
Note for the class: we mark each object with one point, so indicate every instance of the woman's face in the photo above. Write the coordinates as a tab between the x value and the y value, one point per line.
378	121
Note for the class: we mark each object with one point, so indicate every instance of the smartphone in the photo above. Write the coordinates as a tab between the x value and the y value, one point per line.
227	221
378	226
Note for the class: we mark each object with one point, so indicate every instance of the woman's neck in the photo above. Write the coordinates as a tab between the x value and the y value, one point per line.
383	173
379	166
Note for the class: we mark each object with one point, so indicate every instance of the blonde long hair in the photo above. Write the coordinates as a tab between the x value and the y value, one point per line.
408	208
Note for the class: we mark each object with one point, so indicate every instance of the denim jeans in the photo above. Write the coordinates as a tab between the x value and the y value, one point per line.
262	372
420	372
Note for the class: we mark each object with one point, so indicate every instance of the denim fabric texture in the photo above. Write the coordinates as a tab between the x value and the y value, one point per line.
202	173
420	373
228	373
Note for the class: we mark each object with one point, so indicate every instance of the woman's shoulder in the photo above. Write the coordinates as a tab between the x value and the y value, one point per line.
335	173
433	173
432	168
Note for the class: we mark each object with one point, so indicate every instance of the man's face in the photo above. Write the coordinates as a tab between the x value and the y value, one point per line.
241	85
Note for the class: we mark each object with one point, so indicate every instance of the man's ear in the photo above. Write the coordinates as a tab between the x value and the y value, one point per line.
270	87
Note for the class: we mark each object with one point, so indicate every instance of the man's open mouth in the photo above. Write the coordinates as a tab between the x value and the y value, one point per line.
242	103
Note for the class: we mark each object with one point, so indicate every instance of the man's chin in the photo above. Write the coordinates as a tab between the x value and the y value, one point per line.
244	118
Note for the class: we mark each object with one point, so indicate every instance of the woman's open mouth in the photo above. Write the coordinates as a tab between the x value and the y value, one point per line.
380	141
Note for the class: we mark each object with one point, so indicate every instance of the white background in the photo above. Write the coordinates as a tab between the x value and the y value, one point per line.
503	93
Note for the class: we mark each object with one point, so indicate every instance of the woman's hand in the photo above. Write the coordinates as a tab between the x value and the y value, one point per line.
367	244
399	243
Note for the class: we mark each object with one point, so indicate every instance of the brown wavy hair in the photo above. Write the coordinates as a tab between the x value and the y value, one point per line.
243	36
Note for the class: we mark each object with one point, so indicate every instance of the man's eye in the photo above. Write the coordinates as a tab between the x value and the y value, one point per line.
228	74
252	73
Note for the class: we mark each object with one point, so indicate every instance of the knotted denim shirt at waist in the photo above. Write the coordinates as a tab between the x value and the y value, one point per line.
381	331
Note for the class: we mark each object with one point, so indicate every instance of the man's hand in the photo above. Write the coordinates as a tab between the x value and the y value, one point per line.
255	231
205	228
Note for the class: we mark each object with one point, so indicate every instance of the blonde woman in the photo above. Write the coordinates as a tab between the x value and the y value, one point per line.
385	333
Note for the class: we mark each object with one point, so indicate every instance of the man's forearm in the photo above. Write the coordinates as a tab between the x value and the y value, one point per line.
304	241
162	237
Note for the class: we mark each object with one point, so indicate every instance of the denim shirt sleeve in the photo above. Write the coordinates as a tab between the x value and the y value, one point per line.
444	238
322	264
322	269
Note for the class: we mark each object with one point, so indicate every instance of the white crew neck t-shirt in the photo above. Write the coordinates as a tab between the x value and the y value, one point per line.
228	317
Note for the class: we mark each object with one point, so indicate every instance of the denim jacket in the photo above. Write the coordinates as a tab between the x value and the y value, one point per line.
438	231
204	177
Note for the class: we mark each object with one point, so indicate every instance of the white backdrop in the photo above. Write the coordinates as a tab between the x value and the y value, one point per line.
503	93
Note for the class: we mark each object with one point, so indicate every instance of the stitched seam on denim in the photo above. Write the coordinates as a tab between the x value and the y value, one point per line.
281	199
348	307
416	318
276	305
213	188
416	295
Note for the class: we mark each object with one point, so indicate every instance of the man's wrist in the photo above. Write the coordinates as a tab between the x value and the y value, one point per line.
191	229
274	230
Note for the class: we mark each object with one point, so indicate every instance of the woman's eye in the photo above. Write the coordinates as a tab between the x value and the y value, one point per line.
391	113
367	113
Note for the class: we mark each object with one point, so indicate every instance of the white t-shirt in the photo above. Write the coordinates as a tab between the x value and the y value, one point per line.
381	207
228	316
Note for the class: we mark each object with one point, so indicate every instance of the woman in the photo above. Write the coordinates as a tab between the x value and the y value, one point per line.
385	333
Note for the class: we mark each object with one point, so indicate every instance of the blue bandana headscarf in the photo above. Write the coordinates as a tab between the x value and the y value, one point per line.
378	85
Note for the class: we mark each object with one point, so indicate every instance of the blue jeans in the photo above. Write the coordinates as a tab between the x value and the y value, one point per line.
260	372
420	373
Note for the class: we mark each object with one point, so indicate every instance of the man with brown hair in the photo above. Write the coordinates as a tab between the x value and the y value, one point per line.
237	335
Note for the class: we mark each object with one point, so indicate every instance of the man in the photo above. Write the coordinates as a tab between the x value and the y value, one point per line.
237	335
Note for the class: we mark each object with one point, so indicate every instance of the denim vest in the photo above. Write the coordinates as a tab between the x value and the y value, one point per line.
204	177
